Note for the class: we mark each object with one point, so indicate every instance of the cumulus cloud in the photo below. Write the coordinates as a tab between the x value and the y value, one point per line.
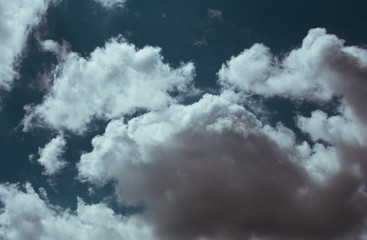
114	80
26	215
212	170
322	68
17	18
50	155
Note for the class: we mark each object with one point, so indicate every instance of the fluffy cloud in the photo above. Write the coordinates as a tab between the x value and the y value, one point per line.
17	18
322	68
27	216
212	170
50	155
114	80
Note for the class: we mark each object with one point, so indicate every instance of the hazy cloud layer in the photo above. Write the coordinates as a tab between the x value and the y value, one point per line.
215	14
114	80
27	216
50	155
17	18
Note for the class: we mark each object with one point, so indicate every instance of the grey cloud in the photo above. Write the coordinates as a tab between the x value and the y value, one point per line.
211	170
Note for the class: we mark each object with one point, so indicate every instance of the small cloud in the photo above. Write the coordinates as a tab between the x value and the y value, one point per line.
201	43
50	155
215	14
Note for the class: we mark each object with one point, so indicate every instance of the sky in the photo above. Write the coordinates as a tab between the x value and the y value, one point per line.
183	120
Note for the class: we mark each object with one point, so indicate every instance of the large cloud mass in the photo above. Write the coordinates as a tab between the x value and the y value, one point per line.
212	170
17	17
114	80
50	155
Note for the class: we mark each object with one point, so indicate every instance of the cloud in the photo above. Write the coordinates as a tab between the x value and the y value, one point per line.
50	155
17	18
336	130
215	14
111	3
212	170
114	80
322	68
27	216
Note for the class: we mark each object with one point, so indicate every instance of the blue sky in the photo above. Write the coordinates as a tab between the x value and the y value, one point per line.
176	119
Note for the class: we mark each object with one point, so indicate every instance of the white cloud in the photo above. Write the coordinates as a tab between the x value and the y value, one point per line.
26	216
337	130
17	18
114	80
50	155
210	169
320	69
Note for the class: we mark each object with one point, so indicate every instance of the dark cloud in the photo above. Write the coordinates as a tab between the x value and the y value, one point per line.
212	170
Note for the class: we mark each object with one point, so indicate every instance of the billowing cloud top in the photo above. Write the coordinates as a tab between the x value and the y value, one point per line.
114	80
29	216
50	155
213	170
320	69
